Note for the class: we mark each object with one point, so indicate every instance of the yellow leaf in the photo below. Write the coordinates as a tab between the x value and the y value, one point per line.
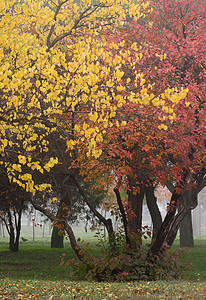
119	74
38	83
22	159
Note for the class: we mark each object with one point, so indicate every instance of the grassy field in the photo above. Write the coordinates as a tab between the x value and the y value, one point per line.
35	273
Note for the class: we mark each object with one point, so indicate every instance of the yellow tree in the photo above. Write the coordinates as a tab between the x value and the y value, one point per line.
49	69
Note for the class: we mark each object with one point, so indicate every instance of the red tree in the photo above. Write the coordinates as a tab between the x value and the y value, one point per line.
140	153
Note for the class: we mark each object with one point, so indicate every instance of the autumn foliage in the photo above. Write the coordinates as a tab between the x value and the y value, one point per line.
112	91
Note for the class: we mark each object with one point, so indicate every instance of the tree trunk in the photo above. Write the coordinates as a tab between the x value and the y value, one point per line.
107	222
183	219
14	241
186	231
124	217
153	209
166	224
12	246
57	240
135	199
15	246
11	239
80	253
189	202
18	231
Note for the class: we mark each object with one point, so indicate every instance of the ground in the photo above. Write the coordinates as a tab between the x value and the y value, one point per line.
35	273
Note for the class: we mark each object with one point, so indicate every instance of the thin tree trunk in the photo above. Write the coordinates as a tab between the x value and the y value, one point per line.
153	209
106	222
124	218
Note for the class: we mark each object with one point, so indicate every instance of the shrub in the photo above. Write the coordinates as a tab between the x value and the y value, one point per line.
120	262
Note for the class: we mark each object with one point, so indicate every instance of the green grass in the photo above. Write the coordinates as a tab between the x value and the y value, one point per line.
36	260
197	256
35	273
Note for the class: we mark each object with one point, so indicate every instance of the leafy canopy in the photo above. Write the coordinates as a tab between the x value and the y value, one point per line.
56	67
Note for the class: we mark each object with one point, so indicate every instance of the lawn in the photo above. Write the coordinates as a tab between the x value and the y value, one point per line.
35	273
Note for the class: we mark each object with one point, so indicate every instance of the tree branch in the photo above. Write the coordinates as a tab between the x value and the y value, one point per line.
77	249
106	222
124	218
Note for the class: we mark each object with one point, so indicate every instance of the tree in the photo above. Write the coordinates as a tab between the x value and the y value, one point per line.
172	43
76	79
50	76
175	56
180	24
14	201
48	80
177	32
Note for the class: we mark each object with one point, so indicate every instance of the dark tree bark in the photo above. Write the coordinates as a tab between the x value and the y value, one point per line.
188	203
14	226
12	246
57	239
65	226
153	208
124	218
186	231
166	224
107	222
135	199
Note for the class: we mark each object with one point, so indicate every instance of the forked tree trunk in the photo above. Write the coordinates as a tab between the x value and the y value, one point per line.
186	230
166	225
188	203
14	225
185	226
